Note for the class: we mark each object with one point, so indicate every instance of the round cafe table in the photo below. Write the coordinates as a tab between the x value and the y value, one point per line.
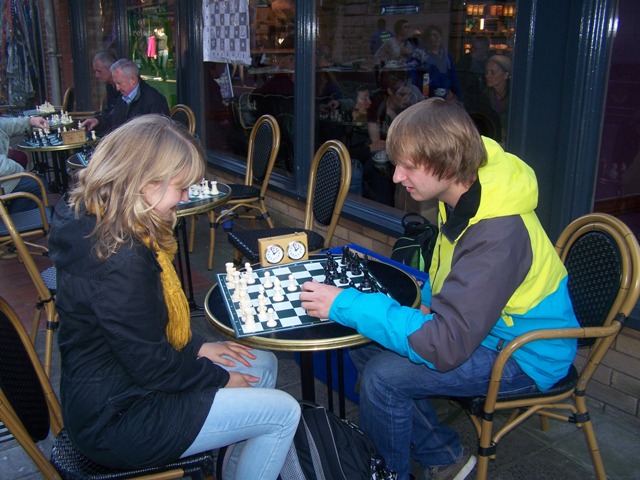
196	206
319	337
57	154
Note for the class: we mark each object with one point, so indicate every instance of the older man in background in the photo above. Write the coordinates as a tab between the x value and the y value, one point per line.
136	98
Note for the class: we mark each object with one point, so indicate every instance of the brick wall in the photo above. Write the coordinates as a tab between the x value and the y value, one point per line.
615	387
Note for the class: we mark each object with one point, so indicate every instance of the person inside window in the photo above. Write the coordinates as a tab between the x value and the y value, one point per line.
494	276
138	386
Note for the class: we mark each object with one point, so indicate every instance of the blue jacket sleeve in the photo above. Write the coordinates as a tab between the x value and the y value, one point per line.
380	318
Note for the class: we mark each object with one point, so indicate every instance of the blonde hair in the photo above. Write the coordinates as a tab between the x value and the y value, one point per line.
149	149
440	136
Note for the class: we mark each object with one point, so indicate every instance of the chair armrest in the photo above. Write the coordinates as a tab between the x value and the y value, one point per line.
30	196
43	190
547	334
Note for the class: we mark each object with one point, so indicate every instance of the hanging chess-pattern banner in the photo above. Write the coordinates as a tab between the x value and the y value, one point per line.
226	31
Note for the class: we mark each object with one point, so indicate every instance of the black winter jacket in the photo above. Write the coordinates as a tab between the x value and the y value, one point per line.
147	100
129	399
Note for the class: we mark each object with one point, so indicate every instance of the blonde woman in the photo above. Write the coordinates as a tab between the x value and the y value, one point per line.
138	387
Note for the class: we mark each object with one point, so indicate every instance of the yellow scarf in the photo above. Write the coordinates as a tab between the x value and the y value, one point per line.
179	326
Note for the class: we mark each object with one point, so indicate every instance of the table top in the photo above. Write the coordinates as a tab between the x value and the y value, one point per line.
326	336
54	148
201	205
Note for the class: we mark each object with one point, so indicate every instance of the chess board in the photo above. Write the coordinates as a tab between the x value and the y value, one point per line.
50	140
288	313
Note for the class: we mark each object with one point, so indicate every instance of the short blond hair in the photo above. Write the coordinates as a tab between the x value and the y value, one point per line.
440	136
148	149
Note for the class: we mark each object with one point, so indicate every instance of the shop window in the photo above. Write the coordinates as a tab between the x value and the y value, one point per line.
618	181
152	46
373	59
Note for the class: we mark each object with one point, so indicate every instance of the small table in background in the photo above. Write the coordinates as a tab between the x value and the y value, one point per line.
322	337
196	206
58	155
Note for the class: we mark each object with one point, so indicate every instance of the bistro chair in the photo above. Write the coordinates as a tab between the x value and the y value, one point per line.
30	224
184	116
247	199
30	411
602	258
69	100
329	181
45	284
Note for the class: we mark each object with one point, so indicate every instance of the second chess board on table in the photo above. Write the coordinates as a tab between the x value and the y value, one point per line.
288	313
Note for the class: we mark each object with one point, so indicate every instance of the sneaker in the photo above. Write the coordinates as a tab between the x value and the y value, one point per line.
455	471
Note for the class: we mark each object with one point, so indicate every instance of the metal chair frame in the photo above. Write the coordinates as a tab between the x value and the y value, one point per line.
45	300
30	410
184	115
325	199
248	201
569	393
32	224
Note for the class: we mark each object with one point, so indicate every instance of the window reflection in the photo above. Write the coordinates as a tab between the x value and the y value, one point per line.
369	67
618	181
152	46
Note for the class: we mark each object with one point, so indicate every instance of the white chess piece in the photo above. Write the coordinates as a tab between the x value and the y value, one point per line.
271	322
251	279
293	286
214	187
230	268
277	293
267	280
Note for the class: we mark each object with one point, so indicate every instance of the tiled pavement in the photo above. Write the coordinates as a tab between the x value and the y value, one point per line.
526	453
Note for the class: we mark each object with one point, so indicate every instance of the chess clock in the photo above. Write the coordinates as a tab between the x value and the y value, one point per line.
283	249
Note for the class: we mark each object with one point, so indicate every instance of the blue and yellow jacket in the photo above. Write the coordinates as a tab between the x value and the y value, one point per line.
494	275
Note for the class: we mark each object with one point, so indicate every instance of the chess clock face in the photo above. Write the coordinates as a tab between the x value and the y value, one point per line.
296	250
274	254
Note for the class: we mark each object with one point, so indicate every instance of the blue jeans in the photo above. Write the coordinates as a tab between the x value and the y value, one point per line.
28	185
261	420
396	412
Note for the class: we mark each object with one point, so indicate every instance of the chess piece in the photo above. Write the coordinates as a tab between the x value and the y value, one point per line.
214	188
277	293
267	280
293	286
251	279
230	269
271	322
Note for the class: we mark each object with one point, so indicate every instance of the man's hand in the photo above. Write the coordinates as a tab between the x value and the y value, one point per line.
39	122
223	352
317	298
90	123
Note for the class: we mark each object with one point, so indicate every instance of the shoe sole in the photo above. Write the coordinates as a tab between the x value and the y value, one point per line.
466	470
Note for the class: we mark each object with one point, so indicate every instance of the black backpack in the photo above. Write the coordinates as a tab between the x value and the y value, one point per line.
415	247
326	447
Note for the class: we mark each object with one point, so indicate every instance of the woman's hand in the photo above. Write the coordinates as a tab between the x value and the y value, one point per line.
424	309
317	298
240	380
223	352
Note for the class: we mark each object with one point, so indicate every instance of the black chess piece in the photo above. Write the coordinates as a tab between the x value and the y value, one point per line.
355	266
345	256
343	275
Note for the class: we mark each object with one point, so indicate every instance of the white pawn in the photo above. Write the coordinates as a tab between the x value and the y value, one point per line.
236	295
251	279
277	293
230	269
267	280
214	188
293	286
271	322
